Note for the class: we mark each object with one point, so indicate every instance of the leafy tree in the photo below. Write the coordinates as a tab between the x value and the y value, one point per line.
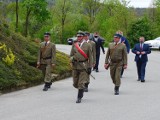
140	27
61	10
17	15
91	8
37	9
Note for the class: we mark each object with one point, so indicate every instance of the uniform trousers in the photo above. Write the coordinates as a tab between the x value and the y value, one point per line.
115	72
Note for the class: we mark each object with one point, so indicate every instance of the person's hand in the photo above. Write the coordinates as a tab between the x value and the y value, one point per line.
138	52
89	70
106	66
125	66
143	53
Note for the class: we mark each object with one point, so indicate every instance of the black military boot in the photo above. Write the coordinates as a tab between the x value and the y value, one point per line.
49	85
116	89
80	95
45	87
86	87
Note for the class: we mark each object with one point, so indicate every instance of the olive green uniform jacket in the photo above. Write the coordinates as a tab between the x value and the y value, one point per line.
117	57
93	46
47	57
80	65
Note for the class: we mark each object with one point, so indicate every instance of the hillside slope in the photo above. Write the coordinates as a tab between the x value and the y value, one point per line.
18	57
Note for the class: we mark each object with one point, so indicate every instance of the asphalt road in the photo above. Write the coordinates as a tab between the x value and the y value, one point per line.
137	101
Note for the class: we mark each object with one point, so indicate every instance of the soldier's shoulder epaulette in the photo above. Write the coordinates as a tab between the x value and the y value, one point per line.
42	43
111	44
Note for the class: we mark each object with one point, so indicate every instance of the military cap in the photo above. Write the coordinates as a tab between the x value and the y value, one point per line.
117	35
80	33
87	33
47	34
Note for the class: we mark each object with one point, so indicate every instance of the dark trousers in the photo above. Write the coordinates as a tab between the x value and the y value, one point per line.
141	66
97	61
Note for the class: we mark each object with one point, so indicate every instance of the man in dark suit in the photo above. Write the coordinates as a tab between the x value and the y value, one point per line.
99	44
141	50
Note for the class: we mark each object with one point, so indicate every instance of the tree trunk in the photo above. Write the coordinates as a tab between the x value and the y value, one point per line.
27	23
63	21
16	15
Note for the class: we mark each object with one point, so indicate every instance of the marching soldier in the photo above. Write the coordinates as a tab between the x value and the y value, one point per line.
46	59
116	58
93	49
81	60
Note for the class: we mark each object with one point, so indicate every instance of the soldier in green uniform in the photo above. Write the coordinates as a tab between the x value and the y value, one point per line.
93	49
46	59
81	60
116	58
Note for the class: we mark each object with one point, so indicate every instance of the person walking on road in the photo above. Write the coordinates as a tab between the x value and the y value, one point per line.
47	59
99	44
141	50
81	61
93	49
116	58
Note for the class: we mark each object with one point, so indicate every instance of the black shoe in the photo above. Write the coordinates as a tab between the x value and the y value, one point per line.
49	85
139	80
45	88
97	70
142	80
116	93
116	89
86	89
78	100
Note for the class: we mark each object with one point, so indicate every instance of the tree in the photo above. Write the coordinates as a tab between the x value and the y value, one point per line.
61	9
113	15
140	27
16	15
91	8
37	9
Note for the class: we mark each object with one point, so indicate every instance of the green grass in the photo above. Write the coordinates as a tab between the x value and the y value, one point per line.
23	73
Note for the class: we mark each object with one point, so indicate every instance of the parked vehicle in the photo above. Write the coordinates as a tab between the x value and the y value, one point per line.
154	44
70	40
91	37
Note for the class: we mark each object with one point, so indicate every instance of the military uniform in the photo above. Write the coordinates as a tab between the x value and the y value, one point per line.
46	58
93	46
80	65
93	50
117	57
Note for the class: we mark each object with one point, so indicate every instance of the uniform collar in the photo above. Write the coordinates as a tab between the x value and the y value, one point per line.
83	41
118	42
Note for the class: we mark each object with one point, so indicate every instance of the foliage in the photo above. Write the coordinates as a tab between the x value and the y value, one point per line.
66	17
10	57
22	73
36	8
141	27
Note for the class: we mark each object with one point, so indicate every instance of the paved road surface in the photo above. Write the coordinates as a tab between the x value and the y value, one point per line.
137	101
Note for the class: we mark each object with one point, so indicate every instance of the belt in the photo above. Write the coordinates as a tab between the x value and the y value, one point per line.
47	58
116	61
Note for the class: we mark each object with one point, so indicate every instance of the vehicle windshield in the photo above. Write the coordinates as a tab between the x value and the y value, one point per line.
157	38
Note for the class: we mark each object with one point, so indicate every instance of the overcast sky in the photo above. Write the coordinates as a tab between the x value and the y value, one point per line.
140	3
